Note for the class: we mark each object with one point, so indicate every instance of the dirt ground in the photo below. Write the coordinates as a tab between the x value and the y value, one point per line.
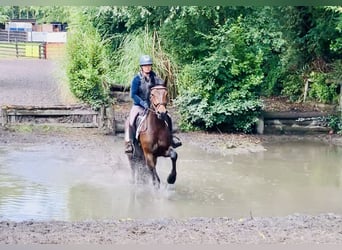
291	229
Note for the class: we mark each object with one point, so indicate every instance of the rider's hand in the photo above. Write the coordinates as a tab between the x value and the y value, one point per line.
144	104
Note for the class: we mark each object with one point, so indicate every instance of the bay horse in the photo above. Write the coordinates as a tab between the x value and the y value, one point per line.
153	138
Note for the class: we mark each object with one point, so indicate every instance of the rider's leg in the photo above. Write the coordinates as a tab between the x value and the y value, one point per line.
175	141
128	137
130	128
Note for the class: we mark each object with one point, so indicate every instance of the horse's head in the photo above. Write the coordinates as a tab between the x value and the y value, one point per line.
159	99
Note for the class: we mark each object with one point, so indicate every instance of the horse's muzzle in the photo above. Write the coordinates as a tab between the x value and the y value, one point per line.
162	116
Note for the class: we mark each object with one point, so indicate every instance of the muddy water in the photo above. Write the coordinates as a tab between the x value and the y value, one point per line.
60	182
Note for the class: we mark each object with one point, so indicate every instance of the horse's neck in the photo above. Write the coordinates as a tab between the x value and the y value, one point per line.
152	119
151	116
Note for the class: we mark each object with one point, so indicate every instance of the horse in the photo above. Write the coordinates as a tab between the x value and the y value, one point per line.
153	138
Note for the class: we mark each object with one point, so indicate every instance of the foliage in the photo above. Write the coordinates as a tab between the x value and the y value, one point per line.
126	58
292	86
335	123
43	14
221	91
264	30
219	59
322	89
308	51
288	41
88	64
184	25
4	14
336	44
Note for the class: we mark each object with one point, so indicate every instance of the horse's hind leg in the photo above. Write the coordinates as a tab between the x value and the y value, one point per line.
171	179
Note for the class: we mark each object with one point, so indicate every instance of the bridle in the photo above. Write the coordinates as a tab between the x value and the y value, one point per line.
159	102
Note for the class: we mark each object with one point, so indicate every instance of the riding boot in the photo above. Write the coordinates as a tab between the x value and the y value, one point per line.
175	141
128	147
128	138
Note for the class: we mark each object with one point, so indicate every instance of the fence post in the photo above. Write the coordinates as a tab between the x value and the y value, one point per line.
45	50
4	117
16	48
40	50
340	101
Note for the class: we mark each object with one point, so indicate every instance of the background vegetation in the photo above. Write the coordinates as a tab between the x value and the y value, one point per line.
220	60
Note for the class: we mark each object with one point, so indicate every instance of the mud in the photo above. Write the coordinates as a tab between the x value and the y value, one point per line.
293	229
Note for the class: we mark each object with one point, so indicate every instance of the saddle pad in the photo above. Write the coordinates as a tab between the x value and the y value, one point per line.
141	125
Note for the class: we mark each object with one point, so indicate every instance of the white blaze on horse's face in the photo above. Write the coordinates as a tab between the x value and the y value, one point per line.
159	99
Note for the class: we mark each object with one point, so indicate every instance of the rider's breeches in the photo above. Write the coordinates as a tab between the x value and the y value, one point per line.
135	110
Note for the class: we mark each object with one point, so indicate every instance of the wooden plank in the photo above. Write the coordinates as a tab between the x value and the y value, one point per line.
68	125
59	115
279	129
305	122
293	115
39	112
53	107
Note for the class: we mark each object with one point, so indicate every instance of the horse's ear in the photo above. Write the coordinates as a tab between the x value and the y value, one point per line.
165	81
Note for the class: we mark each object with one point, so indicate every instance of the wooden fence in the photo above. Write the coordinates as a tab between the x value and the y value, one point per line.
13	36
293	123
69	116
23	49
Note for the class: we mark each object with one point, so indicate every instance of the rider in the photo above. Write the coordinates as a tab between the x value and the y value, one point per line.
140	93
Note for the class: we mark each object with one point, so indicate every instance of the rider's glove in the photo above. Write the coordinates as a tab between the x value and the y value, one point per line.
144	104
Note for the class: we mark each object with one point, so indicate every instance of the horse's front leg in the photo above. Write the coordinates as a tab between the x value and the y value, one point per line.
151	162
171	179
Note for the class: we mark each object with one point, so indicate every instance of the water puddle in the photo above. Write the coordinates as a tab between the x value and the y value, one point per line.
54	182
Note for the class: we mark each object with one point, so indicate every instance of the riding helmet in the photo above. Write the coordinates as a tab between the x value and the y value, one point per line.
145	60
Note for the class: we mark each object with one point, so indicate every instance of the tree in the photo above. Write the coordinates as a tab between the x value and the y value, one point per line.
221	91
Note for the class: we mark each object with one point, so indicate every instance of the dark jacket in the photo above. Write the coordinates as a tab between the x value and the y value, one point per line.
141	88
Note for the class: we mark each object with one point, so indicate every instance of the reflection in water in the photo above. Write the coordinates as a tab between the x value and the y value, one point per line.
56	182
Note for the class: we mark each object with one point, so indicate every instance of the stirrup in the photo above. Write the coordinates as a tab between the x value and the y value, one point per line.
175	142
128	147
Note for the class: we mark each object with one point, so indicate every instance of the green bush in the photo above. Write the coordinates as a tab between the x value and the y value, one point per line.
335	123
87	65
221	91
321	89
293	86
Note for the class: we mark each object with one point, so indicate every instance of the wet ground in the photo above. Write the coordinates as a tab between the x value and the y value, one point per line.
237	197
73	181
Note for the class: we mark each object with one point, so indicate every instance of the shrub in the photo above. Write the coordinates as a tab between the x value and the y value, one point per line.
221	91
87	65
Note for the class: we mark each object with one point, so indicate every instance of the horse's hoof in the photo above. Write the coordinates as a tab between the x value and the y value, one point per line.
171	179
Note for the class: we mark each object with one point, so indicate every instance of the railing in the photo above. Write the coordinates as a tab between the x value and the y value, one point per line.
61	115
13	36
23	49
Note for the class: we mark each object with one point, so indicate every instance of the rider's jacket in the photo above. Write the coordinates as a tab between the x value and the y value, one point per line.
141	88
